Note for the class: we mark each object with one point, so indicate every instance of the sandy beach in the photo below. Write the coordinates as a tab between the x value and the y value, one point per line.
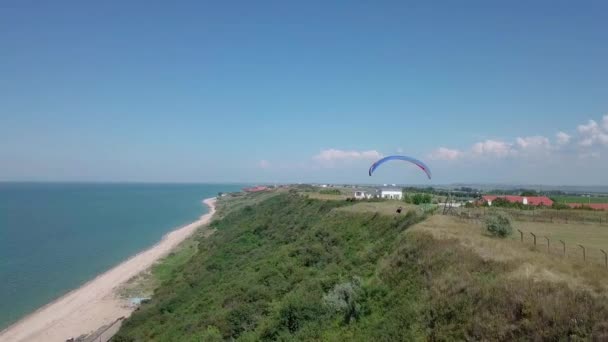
95	304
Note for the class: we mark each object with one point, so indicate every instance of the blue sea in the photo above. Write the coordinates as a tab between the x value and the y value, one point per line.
56	236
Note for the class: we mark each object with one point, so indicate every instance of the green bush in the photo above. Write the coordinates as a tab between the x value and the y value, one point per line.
344	298
421	198
559	205
499	224
330	192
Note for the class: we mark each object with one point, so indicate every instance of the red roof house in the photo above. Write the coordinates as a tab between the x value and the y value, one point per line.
527	200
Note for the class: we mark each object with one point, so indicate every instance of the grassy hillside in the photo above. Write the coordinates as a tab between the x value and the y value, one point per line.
293	268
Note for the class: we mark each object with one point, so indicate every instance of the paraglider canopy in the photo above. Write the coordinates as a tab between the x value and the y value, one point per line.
414	161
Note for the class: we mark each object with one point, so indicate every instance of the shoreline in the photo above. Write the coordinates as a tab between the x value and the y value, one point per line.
96	303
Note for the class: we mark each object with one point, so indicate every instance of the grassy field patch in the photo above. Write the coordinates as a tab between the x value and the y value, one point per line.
388	207
581	199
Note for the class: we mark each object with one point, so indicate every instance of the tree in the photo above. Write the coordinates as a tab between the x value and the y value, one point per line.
421	198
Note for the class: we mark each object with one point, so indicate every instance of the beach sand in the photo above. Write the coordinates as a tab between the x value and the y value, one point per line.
96	303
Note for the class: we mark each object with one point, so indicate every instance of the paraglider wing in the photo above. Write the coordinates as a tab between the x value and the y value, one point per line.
416	162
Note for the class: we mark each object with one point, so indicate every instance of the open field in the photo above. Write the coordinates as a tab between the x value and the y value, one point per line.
532	263
592	236
388	207
542	215
327	197
580	199
573	227
236	201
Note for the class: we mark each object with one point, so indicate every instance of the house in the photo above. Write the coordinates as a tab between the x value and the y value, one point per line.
594	206
362	194
390	193
525	200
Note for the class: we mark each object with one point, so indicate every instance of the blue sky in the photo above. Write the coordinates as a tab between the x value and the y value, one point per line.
311	91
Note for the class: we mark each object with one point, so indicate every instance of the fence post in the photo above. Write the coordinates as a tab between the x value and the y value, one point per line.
584	254
564	245
548	245
521	234
534	235
605	258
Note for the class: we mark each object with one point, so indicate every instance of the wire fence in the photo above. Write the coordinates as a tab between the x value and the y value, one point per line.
539	215
546	243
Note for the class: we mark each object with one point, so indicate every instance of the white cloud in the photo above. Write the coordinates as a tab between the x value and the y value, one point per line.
334	155
562	138
399	150
493	148
263	164
593	134
533	143
590	138
444	153
590	128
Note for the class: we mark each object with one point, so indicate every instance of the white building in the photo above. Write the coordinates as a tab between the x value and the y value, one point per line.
362	195
391	194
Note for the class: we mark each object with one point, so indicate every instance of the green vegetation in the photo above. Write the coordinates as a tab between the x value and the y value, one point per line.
294	268
330	192
499	224
503	203
381	206
580	199
418	198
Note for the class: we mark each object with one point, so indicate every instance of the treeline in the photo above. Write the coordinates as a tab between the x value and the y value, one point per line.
462	192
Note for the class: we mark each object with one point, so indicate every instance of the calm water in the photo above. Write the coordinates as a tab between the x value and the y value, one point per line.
55	237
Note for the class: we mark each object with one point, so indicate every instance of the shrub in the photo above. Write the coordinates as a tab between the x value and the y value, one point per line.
212	334
559	206
499	225
421	198
343	298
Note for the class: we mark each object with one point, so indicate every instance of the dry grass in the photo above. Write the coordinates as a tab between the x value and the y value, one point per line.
543	215
388	207
593	236
534	264
326	197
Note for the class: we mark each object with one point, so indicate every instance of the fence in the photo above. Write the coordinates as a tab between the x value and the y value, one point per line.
539	215
545	243
564	249
105	333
